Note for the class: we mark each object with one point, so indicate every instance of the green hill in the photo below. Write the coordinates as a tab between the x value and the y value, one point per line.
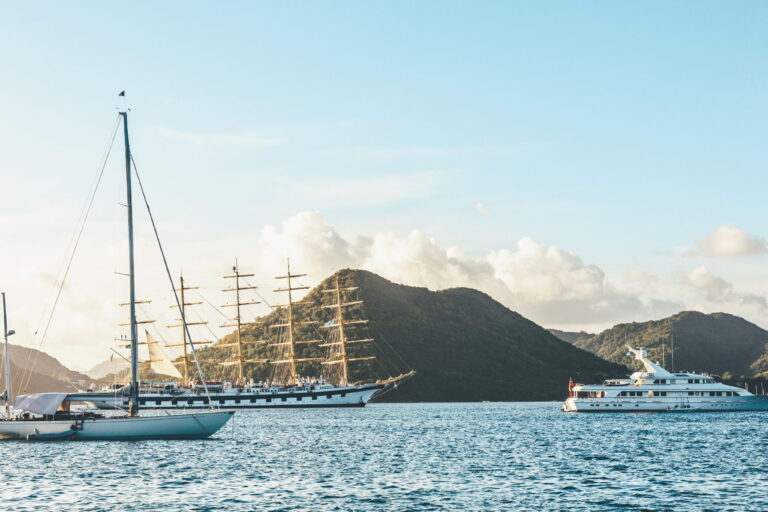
464	345
717	343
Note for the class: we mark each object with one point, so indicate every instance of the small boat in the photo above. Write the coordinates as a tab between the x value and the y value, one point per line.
48	414
658	390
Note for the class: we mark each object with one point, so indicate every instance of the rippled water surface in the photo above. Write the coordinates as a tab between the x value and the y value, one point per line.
415	457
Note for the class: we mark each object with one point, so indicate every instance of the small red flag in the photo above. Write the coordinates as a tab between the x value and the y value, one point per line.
570	387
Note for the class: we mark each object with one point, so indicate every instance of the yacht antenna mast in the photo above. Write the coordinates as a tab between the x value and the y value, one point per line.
673	353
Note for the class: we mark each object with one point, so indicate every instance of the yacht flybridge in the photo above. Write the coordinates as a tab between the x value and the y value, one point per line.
47	415
656	389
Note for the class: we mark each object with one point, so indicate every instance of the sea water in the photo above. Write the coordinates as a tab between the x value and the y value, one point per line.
414	457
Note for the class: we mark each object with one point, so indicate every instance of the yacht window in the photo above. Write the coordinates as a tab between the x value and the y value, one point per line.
661	393
661	381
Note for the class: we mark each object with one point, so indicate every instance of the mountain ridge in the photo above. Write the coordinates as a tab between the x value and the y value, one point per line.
464	345
719	343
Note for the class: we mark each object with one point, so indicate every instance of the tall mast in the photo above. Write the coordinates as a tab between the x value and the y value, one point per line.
290	358
133	403
6	363
184	331
185	341
238	322
340	355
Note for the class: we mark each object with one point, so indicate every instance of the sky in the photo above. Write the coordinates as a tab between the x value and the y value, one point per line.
585	163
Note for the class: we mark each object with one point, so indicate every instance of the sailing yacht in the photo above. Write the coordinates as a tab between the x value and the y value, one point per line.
656	389
49	414
287	388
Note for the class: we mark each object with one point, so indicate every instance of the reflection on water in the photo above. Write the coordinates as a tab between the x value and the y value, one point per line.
409	457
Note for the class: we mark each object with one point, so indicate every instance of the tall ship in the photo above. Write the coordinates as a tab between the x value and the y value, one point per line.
657	390
335	352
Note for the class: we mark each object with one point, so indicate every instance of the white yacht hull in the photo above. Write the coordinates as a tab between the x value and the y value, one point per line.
349	396
661	404
175	426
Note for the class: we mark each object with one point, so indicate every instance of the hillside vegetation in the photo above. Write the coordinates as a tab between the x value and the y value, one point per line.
464	345
717	343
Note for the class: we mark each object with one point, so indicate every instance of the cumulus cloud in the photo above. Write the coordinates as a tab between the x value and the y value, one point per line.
547	284
732	241
717	290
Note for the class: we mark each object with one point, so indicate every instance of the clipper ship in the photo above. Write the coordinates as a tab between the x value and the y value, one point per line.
287	388
656	390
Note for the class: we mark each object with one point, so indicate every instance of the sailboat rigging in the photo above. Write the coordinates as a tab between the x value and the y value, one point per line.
49	413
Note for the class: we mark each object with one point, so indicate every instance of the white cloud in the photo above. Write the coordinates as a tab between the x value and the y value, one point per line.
481	208
719	292
732	241
235	139
544	283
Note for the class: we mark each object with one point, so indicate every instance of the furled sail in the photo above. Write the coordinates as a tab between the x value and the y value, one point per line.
158	361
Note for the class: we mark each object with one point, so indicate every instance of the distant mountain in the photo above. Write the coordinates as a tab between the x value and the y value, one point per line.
464	345
570	336
47	373
717	343
105	368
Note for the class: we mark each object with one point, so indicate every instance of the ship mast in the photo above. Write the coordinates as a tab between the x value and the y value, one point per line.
133	402
185	341
237	322
290	357
341	353
7	362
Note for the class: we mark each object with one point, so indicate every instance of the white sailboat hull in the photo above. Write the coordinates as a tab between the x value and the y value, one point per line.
175	426
23	429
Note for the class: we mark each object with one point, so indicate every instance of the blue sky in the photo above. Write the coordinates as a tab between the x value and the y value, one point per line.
621	132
